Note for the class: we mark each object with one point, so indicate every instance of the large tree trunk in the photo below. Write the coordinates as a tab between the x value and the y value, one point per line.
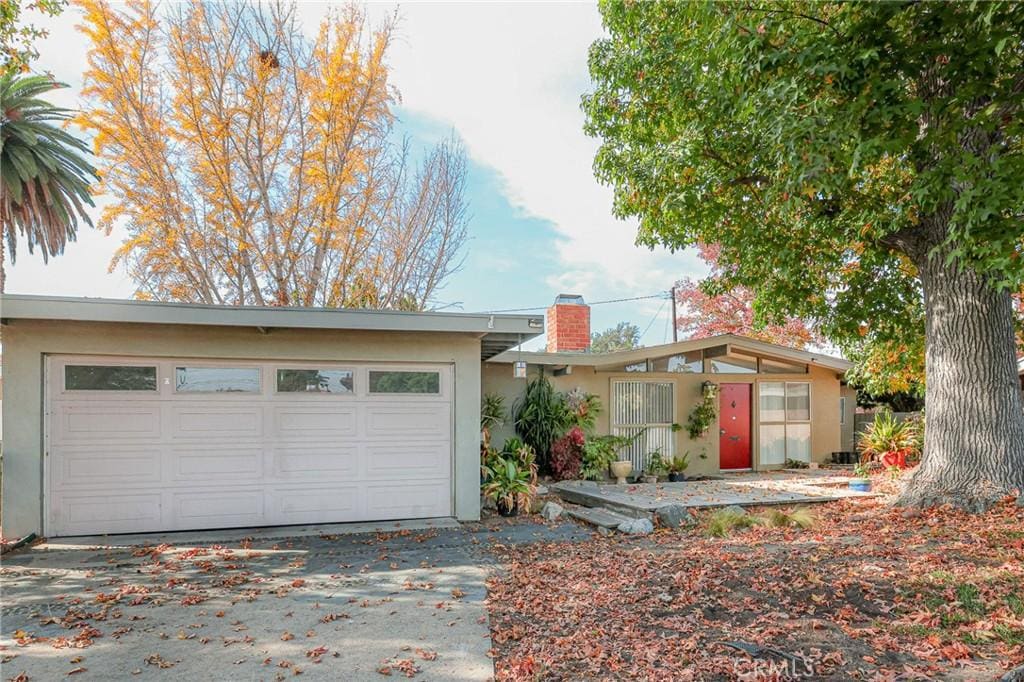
974	418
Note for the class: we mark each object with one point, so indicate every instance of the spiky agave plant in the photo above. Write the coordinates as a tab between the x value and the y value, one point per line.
44	173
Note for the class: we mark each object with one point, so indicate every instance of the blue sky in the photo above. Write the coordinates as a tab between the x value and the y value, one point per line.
506	78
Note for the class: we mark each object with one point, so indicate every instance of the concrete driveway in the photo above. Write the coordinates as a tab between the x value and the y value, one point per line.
404	602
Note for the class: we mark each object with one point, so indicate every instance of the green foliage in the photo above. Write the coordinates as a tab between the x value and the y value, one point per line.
583	409
623	336
703	415
599	452
862	470
656	464
723	522
829	149
509	483
886	434
540	416
17	37
680	464
492	414
492	411
523	455
44	175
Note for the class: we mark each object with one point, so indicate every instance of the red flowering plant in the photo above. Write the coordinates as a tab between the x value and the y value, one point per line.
567	455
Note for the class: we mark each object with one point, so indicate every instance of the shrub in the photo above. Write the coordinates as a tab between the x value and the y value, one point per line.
599	452
523	455
509	484
801	517
567	455
540	417
583	409
724	521
889	440
492	414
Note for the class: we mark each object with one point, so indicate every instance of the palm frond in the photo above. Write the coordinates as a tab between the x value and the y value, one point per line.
44	173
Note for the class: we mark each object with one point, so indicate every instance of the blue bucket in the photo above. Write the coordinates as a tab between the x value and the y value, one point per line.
860	485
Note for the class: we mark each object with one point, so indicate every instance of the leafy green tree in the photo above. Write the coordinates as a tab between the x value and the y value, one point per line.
623	336
860	166
17	36
44	174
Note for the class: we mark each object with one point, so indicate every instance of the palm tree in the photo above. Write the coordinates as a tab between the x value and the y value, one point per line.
44	176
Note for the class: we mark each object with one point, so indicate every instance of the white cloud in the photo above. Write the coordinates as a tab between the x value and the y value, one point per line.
508	78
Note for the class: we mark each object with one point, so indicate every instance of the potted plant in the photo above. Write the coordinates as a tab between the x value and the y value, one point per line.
655	467
890	441
508	484
861	480
677	468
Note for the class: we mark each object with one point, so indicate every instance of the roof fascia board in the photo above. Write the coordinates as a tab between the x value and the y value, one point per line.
145	312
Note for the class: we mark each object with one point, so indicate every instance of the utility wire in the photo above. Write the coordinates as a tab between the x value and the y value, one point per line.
663	295
654	319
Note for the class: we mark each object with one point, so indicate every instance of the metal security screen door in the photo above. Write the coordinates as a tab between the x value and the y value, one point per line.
644	409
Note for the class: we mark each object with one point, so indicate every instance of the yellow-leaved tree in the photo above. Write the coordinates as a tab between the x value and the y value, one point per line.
251	165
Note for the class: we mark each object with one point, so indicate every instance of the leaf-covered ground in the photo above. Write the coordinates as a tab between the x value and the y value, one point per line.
870	592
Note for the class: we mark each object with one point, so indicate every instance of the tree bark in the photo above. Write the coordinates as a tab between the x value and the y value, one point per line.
974	417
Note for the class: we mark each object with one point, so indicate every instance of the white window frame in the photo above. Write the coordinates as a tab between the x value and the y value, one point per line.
785	422
656	434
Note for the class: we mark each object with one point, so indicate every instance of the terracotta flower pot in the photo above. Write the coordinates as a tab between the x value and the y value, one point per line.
621	469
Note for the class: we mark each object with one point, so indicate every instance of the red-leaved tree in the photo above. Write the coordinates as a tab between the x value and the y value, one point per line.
705	309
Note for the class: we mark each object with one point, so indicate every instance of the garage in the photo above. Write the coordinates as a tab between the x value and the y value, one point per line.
149	444
139	416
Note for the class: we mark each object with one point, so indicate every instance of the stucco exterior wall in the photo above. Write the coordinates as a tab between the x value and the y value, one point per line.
825	390
27	342
848	427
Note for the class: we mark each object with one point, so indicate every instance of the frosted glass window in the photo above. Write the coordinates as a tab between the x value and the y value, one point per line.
798	442
798	402
773	444
773	401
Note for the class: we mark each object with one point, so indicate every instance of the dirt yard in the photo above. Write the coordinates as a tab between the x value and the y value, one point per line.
869	592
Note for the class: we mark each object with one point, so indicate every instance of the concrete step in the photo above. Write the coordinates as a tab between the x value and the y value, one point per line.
603	518
633	506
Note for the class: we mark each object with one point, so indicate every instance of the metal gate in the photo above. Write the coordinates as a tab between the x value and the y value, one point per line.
644	409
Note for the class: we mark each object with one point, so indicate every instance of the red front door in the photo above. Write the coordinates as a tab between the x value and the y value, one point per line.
734	426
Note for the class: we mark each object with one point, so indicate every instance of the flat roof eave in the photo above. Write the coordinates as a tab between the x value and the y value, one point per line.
497	332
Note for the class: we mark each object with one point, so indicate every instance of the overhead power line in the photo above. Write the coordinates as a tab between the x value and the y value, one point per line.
663	295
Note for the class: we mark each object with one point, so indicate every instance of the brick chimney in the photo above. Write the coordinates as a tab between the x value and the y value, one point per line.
568	324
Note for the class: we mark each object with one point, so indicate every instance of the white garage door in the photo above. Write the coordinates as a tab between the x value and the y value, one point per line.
136	445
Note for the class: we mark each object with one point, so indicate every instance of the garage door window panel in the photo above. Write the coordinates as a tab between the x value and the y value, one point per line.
337	381
217	380
404	382
109	378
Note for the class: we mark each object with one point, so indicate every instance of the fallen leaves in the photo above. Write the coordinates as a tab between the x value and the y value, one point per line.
158	661
654	608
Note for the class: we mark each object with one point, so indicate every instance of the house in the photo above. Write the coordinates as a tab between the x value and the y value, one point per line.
773	403
133	416
130	416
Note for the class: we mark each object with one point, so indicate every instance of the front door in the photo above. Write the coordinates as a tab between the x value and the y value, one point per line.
734	426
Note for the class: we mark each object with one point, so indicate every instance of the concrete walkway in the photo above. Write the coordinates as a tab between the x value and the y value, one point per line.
744	489
330	606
